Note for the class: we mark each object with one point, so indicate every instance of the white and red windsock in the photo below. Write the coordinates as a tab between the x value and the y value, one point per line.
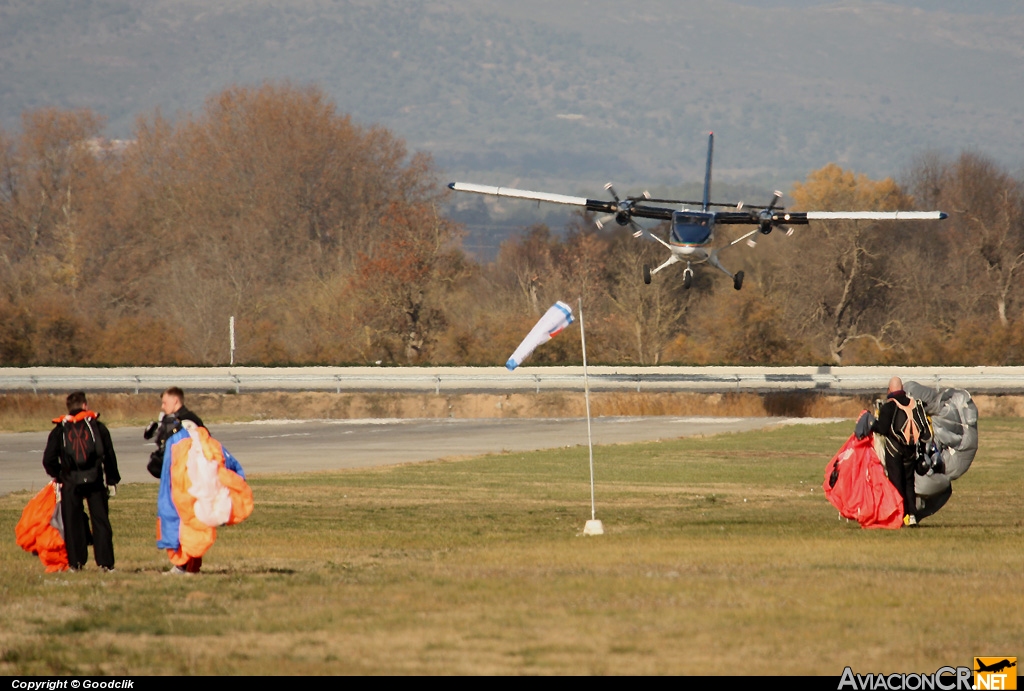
549	326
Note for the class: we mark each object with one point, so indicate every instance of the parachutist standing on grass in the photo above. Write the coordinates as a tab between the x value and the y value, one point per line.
80	456
172	413
903	424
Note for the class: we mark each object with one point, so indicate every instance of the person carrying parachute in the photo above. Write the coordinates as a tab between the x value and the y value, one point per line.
80	460
927	437
202	487
904	426
80	457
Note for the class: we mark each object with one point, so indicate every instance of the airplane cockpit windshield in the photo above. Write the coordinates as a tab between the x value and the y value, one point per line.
691	228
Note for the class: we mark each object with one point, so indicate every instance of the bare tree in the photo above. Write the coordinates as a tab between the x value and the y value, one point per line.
265	193
987	217
838	284
654	312
398	283
47	175
526	265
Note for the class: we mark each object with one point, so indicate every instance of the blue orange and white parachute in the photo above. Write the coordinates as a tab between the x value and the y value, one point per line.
202	487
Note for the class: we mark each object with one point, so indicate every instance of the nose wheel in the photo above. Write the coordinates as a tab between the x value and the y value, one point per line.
737	280
687	277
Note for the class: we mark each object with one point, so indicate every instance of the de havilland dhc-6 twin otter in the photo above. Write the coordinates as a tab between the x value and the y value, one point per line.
692	230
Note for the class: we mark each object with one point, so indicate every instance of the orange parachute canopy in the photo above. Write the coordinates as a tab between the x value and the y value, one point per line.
36	534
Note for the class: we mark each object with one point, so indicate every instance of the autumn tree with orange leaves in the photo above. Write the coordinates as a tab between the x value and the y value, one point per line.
838	284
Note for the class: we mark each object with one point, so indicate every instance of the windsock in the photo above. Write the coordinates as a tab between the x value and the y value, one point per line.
549	326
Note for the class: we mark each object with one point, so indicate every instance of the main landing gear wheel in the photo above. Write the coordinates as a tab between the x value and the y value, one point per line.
737	280
647	274
687	279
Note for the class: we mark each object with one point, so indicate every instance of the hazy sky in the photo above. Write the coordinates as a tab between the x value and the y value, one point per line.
962	6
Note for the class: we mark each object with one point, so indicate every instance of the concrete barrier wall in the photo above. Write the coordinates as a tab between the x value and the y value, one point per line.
847	380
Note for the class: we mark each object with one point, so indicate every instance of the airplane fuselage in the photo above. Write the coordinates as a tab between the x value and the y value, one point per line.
691	235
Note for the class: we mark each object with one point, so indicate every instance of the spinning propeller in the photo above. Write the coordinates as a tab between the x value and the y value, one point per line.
765	218
623	211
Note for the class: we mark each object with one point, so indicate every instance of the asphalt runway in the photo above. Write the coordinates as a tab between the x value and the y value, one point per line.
283	446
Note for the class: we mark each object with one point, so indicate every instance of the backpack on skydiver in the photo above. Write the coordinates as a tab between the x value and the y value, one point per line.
82	450
916	428
915	431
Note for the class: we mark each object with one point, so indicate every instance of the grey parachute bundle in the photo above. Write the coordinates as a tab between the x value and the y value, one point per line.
954	418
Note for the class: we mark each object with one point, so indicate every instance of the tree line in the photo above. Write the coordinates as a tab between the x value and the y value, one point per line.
324	239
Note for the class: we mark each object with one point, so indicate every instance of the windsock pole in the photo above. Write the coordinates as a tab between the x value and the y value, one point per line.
593	526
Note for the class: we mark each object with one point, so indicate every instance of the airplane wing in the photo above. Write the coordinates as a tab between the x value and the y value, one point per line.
518	194
797	218
781	218
598	205
752	214
875	215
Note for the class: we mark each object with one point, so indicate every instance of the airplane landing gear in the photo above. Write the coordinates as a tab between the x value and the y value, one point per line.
737	280
687	277
648	271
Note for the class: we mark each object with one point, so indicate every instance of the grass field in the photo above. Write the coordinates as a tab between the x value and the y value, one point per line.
721	556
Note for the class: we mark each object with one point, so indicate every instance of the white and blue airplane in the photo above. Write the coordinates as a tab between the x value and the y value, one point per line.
692	230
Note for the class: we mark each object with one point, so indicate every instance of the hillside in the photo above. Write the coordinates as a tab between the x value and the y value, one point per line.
570	93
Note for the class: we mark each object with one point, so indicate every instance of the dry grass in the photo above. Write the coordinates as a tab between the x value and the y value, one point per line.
31	412
28	412
721	556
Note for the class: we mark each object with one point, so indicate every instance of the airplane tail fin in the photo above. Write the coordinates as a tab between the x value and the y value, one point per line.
707	172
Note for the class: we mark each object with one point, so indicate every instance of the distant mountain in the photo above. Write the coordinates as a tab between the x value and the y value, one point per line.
563	95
